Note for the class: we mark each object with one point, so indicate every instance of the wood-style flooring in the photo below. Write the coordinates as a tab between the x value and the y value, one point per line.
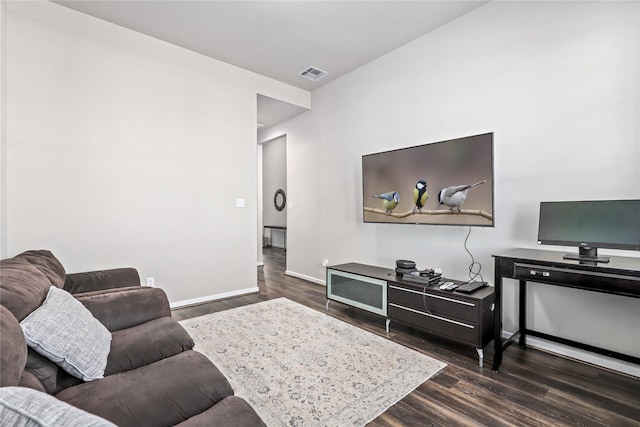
533	388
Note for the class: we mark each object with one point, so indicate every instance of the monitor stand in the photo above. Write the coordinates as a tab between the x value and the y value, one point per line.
587	255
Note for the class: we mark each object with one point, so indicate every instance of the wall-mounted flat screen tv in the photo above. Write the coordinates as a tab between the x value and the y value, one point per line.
444	183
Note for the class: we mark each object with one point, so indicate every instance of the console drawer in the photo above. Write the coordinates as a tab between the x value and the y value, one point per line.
601	282
462	332
433	303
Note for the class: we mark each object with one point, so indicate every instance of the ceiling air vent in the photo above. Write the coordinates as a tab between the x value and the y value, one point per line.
313	74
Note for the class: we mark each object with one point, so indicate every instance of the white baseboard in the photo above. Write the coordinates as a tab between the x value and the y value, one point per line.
304	277
582	355
260	263
209	298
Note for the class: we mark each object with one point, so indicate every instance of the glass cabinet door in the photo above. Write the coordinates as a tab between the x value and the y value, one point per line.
359	291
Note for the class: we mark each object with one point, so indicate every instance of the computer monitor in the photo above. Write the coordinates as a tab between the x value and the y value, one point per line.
589	225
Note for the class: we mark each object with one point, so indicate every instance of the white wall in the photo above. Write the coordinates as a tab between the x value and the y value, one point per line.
274	174
558	83
123	150
3	128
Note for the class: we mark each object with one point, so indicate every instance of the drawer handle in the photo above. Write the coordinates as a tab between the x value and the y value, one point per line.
543	273
432	316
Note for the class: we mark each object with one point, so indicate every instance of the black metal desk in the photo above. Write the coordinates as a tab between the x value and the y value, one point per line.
620	276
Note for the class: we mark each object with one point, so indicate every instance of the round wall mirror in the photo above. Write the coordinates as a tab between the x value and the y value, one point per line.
280	199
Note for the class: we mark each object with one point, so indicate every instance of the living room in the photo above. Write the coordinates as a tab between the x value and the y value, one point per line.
120	149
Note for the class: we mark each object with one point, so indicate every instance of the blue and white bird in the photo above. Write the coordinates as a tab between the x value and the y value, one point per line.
455	196
389	200
420	195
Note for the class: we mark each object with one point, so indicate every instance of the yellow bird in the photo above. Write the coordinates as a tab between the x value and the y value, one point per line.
420	195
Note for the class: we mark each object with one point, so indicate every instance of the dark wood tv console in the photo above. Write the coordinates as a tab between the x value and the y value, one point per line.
620	276
465	318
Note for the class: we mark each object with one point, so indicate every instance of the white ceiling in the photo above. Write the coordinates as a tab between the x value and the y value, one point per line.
279	39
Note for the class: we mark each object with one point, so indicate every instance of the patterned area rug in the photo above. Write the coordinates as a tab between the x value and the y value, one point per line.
299	367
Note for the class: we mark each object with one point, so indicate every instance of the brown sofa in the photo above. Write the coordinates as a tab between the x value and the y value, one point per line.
153	377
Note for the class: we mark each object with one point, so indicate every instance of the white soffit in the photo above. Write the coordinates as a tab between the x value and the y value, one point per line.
272	111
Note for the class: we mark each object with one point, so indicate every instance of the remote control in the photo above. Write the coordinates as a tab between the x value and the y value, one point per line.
446	285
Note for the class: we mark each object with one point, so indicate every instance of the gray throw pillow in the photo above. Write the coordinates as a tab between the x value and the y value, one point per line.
65	332
24	407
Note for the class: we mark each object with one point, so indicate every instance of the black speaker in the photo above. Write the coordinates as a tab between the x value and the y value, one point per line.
405	270
405	264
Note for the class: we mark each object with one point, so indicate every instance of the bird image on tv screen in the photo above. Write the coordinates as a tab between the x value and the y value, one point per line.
448	182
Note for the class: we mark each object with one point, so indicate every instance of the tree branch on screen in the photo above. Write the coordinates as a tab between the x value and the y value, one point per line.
477	212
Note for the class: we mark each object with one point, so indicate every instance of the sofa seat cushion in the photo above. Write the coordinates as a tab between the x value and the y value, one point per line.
26	407
22	287
163	393
65	332
146	343
232	411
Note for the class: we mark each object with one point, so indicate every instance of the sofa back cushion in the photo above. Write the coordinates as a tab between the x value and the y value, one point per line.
23	287
13	356
29	380
47	264
51	377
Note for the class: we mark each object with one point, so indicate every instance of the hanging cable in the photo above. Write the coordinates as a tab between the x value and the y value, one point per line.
473	274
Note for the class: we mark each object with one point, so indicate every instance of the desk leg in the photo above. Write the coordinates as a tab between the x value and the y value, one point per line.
522	315
497	317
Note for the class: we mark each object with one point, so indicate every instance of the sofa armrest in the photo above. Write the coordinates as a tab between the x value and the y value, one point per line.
102	279
126	307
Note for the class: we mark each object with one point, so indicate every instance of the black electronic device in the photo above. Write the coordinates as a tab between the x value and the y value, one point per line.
431	274
404	266
425	280
471	287
589	225
461	168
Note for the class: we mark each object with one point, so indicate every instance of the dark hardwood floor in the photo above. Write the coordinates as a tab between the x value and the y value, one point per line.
533	388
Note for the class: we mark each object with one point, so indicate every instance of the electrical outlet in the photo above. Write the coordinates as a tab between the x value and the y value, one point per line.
151	281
